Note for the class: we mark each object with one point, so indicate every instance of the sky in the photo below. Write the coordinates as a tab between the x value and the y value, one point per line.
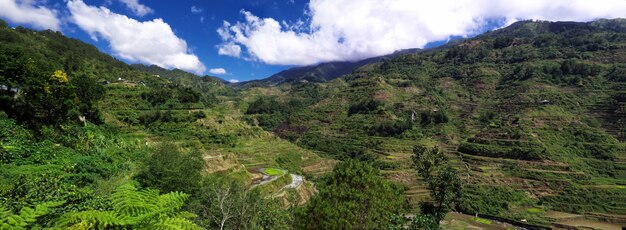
240	40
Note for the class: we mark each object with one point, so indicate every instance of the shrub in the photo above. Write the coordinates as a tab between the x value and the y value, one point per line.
523	153
365	106
170	169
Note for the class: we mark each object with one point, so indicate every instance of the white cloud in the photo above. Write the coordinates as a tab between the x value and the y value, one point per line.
196	10
218	71
151	42
344	30
229	49
27	12
233	81
137	8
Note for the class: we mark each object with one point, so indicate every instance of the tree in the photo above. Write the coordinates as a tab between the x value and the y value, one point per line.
88	92
427	160
134	209
367	105
353	196
45	99
188	95
264	105
445	189
158	97
225	203
169	169
443	182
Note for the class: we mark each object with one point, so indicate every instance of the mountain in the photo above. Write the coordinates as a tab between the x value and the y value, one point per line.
321	72
177	75
532	116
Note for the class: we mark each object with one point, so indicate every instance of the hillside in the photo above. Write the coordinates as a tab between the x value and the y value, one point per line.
529	117
179	76
82	131
533	111
319	73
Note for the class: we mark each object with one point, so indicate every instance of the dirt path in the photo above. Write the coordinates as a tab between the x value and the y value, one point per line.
296	181
267	178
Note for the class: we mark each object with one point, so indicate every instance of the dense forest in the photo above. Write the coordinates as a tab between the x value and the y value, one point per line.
515	124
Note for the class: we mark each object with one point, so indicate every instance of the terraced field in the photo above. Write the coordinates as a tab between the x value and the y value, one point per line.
252	149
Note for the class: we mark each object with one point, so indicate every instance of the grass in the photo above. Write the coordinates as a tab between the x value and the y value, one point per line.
275	185
481	220
273	171
534	210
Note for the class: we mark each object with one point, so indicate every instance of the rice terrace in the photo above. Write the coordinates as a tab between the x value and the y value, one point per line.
313	114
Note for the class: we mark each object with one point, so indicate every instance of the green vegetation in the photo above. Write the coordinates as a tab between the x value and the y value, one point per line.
492	200
443	181
353	196
522	112
132	208
513	123
26	217
481	220
224	203
168	170
534	210
273	171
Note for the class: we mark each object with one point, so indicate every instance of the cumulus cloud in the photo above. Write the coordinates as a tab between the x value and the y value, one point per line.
218	71
137	8
339	30
229	49
27	12
151	42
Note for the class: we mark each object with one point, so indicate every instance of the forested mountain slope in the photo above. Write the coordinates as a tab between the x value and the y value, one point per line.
90	142
533	115
530	118
319	73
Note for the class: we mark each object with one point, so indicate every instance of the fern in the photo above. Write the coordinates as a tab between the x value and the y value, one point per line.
135	209
176	224
174	200
26	217
91	220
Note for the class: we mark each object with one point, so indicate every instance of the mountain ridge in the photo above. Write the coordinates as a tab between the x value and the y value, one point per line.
322	72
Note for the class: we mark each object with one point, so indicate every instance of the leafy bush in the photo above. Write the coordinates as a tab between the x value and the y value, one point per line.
433	117
491	200
617	73
264	105
188	95
389	129
158	96
577	199
365	106
524	153
170	169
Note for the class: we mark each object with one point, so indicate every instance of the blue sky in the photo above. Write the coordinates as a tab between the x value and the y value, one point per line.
245	40
199	29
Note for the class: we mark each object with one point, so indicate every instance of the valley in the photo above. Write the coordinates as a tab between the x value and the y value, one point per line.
531	118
